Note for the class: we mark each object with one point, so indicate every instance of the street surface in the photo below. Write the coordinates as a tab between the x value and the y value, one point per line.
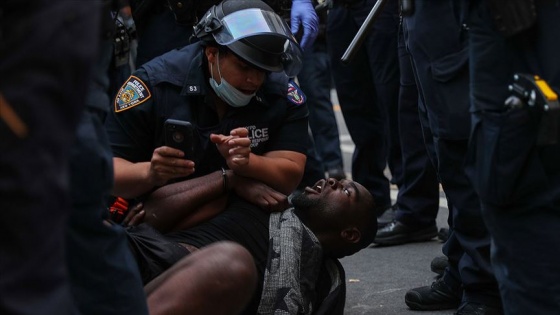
377	278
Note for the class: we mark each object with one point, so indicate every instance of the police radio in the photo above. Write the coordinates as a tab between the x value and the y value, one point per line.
125	33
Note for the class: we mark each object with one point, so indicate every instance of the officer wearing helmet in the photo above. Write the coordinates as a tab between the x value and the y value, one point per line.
233	87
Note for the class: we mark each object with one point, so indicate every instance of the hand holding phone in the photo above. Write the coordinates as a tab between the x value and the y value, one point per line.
179	135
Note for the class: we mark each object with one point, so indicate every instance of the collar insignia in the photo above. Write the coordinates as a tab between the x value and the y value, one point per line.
193	89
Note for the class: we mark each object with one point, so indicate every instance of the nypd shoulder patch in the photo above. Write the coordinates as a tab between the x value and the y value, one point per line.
133	92
295	95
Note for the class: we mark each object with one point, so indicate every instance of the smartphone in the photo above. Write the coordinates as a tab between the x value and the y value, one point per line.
179	135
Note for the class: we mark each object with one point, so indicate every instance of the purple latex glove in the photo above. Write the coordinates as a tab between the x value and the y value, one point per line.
303	13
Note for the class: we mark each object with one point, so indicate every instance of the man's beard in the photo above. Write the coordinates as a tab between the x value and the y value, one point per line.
302	201
306	207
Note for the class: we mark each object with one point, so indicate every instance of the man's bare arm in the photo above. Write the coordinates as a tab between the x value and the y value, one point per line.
172	204
190	202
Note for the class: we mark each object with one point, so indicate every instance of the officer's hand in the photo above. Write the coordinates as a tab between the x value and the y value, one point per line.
303	13
235	148
168	163
260	194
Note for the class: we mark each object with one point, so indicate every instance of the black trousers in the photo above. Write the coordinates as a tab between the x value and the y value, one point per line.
518	181
367	89
437	41
46	51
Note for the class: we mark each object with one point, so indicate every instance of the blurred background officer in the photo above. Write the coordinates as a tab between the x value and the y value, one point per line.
414	217
369	110
46	50
315	80
104	275
514	168
436	36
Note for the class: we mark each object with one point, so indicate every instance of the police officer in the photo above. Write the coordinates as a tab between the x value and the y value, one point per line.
46	50
232	86
104	276
513	163
366	106
436	36
167	25
414	218
315	80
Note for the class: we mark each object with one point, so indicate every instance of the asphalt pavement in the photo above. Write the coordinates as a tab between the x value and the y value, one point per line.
377	278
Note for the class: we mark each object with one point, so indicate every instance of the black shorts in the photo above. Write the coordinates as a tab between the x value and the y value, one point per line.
154	253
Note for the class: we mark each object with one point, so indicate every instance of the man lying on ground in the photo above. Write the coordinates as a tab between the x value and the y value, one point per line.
294	251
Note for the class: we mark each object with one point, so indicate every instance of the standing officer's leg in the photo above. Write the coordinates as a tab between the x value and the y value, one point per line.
104	275
315	81
440	58
365	118
418	196
517	179
46	51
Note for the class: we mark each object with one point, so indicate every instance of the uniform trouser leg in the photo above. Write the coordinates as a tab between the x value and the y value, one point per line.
34	205
365	105
418	196
98	253
520	195
95	247
441	74
524	253
46	54
519	182
469	240
468	245
315	81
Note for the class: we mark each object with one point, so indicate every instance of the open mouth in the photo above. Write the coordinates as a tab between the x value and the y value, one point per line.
317	188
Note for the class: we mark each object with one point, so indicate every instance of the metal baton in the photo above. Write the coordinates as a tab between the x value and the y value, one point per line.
358	40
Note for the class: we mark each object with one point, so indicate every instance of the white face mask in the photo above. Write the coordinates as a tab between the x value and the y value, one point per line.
227	92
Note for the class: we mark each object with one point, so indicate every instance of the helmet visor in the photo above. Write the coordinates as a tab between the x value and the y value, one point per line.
254	23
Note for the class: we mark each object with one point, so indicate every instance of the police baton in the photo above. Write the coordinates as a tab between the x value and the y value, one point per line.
358	40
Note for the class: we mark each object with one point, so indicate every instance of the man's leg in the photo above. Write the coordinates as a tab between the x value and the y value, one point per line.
223	272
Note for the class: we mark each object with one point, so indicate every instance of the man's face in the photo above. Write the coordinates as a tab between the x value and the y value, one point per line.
235	71
335	211
330	199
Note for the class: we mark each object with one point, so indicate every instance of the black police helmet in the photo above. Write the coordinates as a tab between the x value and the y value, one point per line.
256	34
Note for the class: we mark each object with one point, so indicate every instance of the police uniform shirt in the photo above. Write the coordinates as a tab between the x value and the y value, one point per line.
175	85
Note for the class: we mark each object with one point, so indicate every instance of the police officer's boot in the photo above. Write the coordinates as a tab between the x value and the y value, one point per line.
438	296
